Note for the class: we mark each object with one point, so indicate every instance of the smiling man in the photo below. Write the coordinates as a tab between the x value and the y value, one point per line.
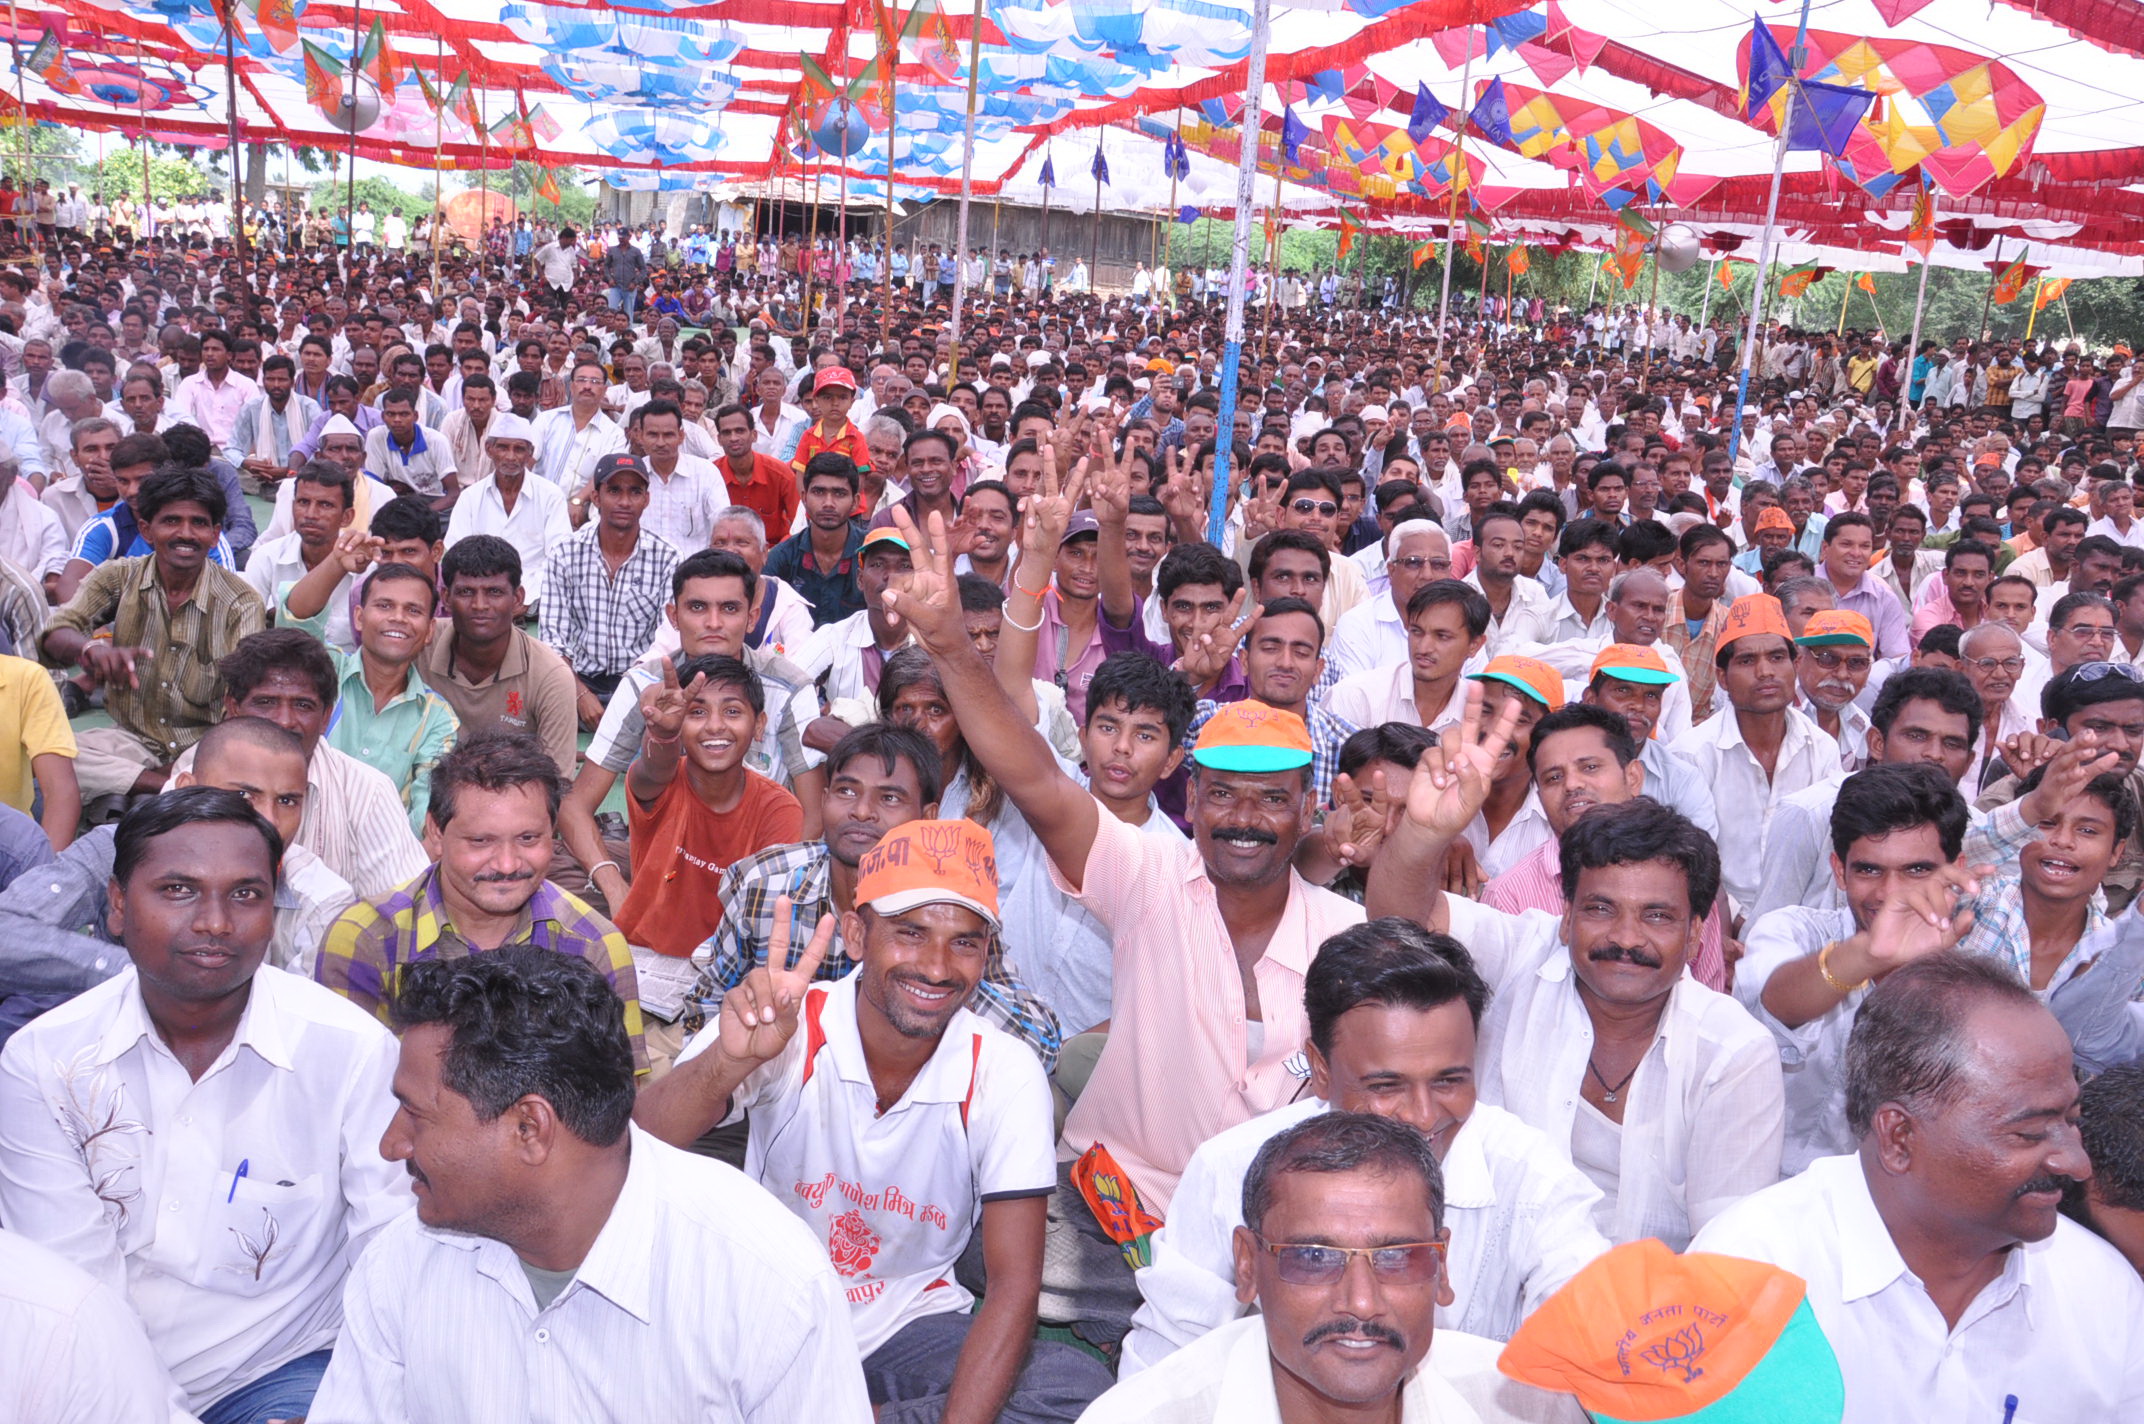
232	1176
912	1092
1577	1039
1395	1015
171	615
1941	1224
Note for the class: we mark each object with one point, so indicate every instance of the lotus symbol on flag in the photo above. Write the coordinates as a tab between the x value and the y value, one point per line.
1676	249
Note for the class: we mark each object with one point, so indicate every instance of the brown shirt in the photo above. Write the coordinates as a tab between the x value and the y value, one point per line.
533	692
180	695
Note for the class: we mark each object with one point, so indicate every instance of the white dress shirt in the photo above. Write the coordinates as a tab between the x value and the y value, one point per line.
228	1209
1371	635
2061	1329
701	1299
1226	1377
1521	1218
1526	618
566	456
70	1349
1807	755
835	653
534	526
31	534
1704	1112
682	508
1379	695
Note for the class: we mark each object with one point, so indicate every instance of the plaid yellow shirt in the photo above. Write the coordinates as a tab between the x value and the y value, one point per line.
367	948
1696	653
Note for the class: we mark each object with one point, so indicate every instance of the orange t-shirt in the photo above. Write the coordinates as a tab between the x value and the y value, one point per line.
680	849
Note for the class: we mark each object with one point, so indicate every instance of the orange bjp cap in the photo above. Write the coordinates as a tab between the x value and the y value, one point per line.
931	863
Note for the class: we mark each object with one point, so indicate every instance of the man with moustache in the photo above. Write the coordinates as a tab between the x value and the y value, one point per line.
1936	1257
156	1130
1394	1016
1333	1337
941	1120
1665	1093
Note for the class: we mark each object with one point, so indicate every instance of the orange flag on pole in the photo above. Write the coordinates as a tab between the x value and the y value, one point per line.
1518	262
1866	282
2050	291
2011	283
1423	252
1347	232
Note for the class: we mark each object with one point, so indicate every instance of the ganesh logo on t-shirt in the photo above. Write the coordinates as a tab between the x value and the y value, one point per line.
852	1244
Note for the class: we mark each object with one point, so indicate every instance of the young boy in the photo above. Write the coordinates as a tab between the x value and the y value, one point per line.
833	391
694	806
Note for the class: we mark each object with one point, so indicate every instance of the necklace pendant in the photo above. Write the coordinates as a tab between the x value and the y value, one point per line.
1607	1097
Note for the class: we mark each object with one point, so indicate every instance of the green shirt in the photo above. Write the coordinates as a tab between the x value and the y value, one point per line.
404	739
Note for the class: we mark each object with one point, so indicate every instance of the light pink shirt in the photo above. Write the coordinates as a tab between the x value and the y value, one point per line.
1178	1066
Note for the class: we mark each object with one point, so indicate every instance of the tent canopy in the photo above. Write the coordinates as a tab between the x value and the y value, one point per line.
1554	121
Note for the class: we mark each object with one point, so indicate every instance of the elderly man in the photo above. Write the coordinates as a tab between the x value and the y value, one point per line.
1936	1257
1992	657
529	514
87	491
1373	634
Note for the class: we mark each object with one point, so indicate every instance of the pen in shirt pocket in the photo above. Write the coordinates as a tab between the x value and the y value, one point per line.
245	1168
2009	1408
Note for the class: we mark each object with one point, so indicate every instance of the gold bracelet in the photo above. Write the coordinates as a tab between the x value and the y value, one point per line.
1823	969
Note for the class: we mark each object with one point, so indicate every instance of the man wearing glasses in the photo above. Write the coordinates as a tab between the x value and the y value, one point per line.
1837	656
1394	1013
1373	634
1993	659
571	438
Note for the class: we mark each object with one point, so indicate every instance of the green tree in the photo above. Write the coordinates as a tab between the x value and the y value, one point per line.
168	178
575	205
331	196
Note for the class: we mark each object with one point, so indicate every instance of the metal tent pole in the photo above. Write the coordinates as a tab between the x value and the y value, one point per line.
1232	348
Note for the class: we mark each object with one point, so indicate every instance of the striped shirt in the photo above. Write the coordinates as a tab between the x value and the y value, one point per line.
368	947
803	873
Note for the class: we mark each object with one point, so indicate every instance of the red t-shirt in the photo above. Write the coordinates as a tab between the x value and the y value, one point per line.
680	849
768	488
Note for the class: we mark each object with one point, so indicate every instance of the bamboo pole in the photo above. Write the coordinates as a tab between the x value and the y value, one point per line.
146	227
1795	60
892	133
2039	283
22	102
1094	249
439	138
230	90
1265	330
1920	304
1994	273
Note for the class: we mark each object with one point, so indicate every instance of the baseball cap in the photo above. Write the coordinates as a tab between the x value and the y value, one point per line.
832	378
885	534
931	863
1250	736
1080	524
1529	675
1750	615
620	464
1642	1335
1628	662
1774	517
1836	625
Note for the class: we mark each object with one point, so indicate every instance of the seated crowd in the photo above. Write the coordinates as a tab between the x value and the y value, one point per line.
975	894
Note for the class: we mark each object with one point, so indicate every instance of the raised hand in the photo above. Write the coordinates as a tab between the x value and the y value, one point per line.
1206	656
2069	771
759	1016
929	606
1261	515
1923	919
2026	752
1109	485
357	550
1045	514
663	706
1355	826
1451	784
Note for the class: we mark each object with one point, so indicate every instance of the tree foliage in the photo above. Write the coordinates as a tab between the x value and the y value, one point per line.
332	196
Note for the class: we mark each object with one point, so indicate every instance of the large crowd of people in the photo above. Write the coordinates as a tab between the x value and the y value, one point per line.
891	878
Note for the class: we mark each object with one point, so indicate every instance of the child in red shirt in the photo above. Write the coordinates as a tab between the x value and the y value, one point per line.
693	807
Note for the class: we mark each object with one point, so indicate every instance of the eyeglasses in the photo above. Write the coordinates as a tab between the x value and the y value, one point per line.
2013	666
1416	563
2095	672
1832	662
1315	506
1412	1263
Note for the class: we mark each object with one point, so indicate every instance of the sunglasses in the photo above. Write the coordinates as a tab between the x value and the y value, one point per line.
1315	506
1412	1263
